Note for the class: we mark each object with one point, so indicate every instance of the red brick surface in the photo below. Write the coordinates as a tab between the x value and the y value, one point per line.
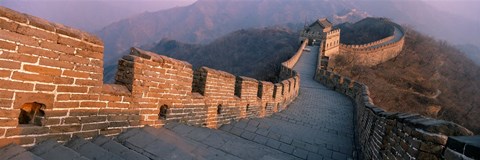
62	68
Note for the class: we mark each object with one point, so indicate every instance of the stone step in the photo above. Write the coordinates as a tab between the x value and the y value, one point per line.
243	146
90	150
117	148
158	144
52	150
16	152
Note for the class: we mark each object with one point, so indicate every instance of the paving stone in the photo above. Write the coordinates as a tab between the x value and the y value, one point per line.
300	153
251	128
117	148
214	153
16	152
339	156
214	141
312	148
52	150
130	132
345	150
158	150
25	156
286	139
325	152
241	124
317	119
286	148
274	135
262	131
260	139
226	128
248	135
263	126
253	123
182	129
90	150
199	134
314	156
139	140
273	143
299	144
236	131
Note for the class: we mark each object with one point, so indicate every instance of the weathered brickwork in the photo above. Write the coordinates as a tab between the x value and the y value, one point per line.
391	135
61	69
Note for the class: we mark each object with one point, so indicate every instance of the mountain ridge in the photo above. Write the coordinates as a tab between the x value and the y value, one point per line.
259	54
206	20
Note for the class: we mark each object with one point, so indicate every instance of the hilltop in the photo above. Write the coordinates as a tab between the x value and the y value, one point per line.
364	31
429	77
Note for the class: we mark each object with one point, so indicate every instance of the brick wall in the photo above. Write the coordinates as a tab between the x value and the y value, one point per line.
368	55
368	45
392	135
204	97
61	69
331	43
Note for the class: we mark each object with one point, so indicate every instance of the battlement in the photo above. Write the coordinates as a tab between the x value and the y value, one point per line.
376	52
333	32
371	45
51	87
383	134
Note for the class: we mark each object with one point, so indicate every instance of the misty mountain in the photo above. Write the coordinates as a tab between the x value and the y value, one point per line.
471	51
89	15
255	53
206	20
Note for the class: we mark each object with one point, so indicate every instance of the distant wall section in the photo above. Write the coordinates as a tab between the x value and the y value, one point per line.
377	52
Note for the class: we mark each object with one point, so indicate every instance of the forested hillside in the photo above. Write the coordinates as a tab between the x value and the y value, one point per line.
429	77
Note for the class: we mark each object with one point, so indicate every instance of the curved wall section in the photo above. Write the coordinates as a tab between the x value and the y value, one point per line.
392	135
377	52
60	69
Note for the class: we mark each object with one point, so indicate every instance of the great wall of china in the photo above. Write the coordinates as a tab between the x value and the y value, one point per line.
392	135
62	68
54	75
377	52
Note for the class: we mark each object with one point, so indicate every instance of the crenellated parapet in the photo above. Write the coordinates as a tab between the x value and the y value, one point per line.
375	44
204	97
393	135
376	52
51	87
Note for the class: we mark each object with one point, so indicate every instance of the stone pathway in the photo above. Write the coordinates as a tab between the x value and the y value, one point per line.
317	125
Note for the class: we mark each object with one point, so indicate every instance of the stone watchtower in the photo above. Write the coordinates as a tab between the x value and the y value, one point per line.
321	33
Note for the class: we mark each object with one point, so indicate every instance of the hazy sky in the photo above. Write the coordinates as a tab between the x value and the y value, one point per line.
89	15
465	8
92	15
